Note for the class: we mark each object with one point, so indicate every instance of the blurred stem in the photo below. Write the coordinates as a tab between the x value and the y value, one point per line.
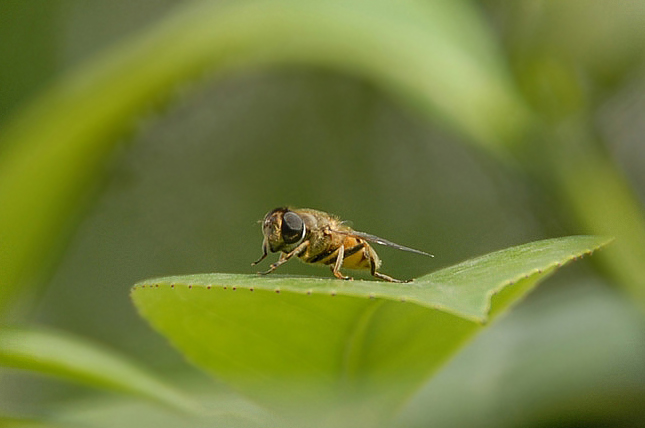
600	199
567	159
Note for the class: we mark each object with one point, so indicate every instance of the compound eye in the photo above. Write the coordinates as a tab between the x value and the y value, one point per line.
292	227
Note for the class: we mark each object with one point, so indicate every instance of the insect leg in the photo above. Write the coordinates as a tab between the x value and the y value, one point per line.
335	268
264	253
375	274
285	257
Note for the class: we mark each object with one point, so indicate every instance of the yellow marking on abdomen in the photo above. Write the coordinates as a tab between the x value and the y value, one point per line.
358	260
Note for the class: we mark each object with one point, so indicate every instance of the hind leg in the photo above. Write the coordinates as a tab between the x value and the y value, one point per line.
373	258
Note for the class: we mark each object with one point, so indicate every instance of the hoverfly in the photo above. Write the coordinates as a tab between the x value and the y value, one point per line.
320	238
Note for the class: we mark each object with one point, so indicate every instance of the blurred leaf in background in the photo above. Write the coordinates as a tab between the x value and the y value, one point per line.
453	126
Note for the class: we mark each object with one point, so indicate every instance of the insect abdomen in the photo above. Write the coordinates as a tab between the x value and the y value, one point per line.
356	254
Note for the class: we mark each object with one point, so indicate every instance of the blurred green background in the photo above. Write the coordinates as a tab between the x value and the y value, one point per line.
195	170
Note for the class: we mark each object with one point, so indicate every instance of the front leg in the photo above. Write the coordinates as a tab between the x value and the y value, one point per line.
265	246
285	257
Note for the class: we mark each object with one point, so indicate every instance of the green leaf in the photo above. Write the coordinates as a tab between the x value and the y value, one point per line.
439	57
299	343
14	422
574	353
221	408
59	354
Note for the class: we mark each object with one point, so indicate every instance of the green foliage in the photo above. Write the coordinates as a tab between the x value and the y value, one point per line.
541	361
9	422
525	84
54	150
304	343
59	354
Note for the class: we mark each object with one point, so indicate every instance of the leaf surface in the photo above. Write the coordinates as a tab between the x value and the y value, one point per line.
299	342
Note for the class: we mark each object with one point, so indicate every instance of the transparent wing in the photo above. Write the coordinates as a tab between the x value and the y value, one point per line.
381	241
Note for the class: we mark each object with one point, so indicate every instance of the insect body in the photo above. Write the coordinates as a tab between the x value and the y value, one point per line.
320	238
